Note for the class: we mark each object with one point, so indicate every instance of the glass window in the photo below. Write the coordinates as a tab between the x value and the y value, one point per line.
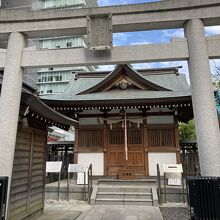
50	78
49	91
69	44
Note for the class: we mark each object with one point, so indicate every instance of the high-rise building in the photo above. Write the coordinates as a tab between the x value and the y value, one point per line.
16	4
53	80
46	4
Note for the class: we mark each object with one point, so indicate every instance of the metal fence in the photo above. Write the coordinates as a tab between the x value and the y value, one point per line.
190	158
204	197
3	196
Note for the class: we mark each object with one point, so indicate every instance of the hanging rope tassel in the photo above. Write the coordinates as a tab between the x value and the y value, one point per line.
126	138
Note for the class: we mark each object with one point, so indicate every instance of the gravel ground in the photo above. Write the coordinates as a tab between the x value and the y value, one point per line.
75	205
174	211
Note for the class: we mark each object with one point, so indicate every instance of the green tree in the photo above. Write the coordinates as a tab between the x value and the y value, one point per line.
215	75
187	131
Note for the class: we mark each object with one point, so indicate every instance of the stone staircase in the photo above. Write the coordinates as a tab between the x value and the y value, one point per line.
125	192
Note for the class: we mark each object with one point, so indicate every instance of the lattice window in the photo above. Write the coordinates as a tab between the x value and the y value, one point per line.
134	136
116	136
90	138
161	137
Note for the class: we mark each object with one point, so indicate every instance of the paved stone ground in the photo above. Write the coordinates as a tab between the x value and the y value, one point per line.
112	212
59	215
78	210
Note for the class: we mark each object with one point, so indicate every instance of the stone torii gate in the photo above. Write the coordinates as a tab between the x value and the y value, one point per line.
17	26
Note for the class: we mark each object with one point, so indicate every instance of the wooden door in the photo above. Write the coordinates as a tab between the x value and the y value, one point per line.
116	150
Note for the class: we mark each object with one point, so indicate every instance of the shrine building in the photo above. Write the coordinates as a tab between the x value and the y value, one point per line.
128	119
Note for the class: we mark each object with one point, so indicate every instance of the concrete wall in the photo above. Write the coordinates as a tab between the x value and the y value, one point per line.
160	158
96	159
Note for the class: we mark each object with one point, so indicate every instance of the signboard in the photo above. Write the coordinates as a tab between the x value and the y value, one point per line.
79	169
99	31
76	168
53	167
174	173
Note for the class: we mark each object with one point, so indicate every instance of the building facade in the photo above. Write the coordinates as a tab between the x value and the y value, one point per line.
47	4
53	80
128	120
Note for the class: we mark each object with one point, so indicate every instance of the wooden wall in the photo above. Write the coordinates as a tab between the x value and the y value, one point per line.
28	178
148	138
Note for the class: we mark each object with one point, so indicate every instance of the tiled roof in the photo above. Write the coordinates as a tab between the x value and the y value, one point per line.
172	81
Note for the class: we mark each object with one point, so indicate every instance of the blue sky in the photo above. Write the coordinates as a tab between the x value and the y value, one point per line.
122	2
150	37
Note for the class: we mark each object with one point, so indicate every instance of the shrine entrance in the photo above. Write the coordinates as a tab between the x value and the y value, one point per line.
117	154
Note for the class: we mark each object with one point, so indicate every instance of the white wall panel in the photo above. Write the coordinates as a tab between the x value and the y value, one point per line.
96	159
160	158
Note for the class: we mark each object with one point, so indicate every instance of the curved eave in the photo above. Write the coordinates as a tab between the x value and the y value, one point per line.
110	102
30	98
36	105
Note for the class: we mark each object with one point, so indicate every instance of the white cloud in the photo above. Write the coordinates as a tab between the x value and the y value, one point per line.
120	39
212	30
106	67
134	38
173	33
140	42
142	65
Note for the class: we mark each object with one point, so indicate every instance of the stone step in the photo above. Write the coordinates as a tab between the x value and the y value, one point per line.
123	189
142	182
104	201
124	195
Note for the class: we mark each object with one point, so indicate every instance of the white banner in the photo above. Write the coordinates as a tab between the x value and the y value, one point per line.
80	178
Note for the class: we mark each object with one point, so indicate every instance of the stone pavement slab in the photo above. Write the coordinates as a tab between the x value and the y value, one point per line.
111	212
59	215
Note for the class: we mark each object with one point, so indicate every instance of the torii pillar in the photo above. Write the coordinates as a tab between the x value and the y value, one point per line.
205	114
10	103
